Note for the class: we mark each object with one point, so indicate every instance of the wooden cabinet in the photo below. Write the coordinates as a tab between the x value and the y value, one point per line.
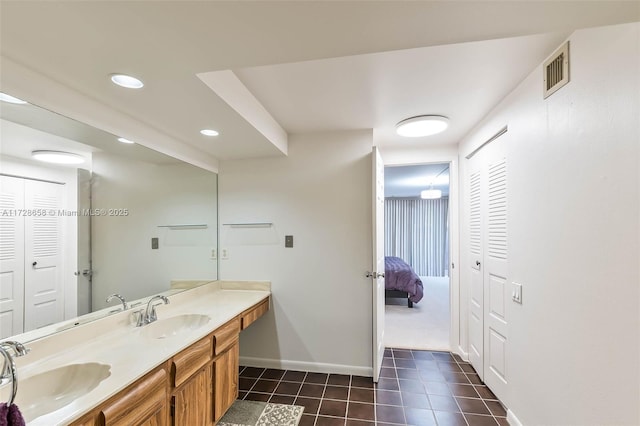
253	313
143	403
225	380
191	403
194	388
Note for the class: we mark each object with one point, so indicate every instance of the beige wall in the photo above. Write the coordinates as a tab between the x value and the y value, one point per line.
320	194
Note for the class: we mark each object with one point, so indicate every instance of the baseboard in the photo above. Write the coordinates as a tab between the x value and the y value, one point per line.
512	419
462	354
315	367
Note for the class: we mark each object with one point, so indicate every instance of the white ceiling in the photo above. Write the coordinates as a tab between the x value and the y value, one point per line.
375	91
27	128
409	181
167	43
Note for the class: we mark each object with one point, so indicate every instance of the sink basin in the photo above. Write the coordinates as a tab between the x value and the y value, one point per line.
169	327
49	391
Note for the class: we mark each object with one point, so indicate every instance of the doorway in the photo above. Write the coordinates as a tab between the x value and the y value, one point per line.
417	282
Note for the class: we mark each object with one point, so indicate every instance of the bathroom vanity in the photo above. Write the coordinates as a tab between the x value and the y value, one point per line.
181	369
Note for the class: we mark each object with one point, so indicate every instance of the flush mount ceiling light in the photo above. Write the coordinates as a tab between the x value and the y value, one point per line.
431	194
12	100
123	140
422	125
57	157
126	81
209	132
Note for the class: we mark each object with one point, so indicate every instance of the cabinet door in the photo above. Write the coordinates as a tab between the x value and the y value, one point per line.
192	401
225	380
143	404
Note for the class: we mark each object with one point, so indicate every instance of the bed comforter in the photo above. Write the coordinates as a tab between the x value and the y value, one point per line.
398	275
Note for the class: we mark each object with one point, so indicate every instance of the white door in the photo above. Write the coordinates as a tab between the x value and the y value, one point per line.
11	256
44	303
496	286
378	262
476	300
487	183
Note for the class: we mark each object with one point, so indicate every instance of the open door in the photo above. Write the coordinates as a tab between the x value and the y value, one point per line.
378	262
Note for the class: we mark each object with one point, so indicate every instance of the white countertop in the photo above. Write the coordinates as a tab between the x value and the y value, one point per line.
117	342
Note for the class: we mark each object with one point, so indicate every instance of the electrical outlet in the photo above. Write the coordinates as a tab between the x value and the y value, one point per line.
516	293
214	254
224	254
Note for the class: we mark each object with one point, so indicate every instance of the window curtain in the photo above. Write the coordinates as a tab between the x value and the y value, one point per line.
417	231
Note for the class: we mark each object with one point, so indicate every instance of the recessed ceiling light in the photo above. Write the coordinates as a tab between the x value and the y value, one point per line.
12	100
126	81
209	132
422	125
431	194
123	140
57	157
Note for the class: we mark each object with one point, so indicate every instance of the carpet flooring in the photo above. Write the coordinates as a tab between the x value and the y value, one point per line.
426	325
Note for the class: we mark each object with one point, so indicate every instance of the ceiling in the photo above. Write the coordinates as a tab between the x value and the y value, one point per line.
57	133
409	181
428	45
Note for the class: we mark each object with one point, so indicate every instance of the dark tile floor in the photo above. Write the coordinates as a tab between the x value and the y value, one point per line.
416	388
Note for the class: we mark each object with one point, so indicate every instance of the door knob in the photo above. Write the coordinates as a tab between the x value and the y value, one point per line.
380	275
34	264
477	263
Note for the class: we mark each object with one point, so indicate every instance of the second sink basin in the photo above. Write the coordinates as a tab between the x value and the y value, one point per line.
173	326
49	391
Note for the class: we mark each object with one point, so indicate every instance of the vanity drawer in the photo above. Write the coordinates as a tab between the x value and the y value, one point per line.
189	361
145	401
225	336
252	314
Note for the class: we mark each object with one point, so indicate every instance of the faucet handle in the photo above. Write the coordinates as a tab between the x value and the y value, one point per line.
139	317
18	348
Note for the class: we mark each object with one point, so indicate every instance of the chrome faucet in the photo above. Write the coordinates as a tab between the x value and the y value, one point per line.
117	296
9	373
150	315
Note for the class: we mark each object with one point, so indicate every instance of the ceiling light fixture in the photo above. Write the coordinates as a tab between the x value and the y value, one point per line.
209	132
431	194
57	157
422	125
11	99
123	140
127	81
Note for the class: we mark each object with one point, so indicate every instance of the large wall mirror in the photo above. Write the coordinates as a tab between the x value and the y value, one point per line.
111	217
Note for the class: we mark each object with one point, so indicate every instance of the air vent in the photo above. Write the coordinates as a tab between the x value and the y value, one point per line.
556	70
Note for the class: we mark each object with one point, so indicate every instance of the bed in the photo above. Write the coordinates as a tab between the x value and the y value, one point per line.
400	280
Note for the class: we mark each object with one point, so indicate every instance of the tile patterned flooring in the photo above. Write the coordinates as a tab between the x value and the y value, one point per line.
416	388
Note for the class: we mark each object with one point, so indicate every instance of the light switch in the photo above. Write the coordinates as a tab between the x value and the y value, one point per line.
154	243
516	293
288	241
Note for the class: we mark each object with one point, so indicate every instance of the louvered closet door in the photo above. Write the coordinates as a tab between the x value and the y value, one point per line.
496	285
11	256
476	300
43	258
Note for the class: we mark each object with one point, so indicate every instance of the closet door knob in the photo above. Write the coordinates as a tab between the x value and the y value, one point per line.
477	263
34	264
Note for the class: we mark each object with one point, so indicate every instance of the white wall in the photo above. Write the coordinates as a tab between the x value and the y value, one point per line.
123	261
322	302
573	161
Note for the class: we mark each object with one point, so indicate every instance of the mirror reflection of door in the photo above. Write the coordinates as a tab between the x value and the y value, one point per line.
83	274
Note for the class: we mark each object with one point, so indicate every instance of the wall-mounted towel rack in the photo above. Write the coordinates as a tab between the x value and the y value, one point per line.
249	225
174	227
